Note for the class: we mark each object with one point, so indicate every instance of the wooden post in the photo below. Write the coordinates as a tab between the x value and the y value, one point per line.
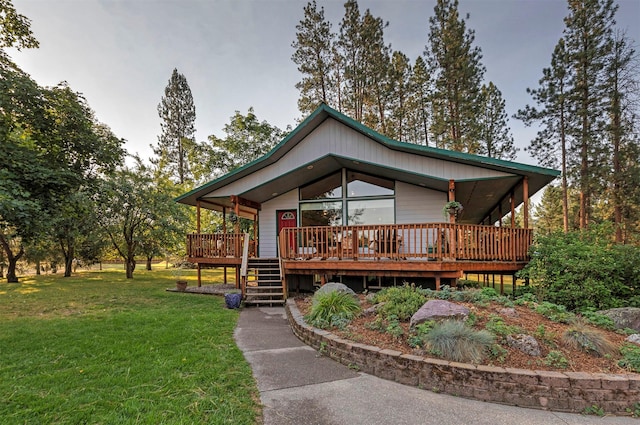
452	220
199	276
513	210
525	197
501	285
437	283
225	275
198	217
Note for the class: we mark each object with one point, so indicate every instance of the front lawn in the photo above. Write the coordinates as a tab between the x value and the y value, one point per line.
96	348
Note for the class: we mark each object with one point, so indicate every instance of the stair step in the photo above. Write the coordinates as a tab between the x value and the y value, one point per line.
280	301
265	294
264	287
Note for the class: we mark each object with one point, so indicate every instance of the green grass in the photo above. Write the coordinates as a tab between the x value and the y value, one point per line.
98	348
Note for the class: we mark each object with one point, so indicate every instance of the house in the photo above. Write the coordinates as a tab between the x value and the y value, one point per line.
337	200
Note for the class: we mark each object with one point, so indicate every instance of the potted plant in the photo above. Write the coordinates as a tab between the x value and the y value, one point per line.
452	208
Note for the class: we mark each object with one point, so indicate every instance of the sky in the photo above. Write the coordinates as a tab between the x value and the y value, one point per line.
236	54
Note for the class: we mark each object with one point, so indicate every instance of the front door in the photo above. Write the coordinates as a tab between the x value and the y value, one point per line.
287	218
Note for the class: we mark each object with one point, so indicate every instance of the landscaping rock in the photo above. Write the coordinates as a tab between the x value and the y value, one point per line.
508	312
334	286
373	310
624	317
439	310
525	343
635	338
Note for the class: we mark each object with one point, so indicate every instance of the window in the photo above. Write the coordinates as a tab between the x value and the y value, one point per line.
368	200
328	188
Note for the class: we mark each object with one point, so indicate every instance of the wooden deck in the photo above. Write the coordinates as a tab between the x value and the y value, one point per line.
431	250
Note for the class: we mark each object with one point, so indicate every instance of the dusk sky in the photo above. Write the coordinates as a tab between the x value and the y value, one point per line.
237	54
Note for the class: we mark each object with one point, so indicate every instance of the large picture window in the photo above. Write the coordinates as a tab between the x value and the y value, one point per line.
348	197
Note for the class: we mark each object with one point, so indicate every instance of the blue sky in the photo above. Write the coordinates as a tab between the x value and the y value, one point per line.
237	54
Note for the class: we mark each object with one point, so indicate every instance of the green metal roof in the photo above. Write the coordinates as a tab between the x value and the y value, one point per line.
323	112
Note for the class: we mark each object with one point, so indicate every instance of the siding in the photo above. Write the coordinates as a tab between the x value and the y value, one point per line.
334	137
415	204
268	226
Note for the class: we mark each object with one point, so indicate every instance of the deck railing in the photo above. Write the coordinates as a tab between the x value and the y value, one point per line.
215	245
424	241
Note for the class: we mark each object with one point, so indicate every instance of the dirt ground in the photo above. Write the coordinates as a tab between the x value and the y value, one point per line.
528	320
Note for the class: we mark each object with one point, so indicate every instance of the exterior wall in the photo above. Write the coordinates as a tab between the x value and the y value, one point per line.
336	138
415	204
267	231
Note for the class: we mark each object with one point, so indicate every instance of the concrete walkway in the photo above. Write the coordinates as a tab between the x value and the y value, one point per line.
299	386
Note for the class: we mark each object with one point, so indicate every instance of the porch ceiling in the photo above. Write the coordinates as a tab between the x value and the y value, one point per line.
479	197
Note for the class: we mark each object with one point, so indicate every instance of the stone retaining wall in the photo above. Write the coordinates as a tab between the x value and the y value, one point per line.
559	391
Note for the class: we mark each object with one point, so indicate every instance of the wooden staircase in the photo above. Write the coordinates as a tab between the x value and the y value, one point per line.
264	282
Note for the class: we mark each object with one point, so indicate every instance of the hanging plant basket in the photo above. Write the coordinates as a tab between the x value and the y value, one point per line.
452	208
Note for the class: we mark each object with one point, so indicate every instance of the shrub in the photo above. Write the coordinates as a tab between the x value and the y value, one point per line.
554	312
419	332
630	357
584	269
599	320
455	341
498	327
556	359
332	309
400	301
583	337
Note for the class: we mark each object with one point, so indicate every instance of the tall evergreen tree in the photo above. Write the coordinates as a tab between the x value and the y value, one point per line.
400	89
178	114
314	57
587	35
458	75
551	144
419	103
351	50
622	86
376	66
495	136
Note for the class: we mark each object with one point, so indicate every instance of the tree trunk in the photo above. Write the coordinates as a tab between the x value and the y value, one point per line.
37	268
13	259
130	264
149	258
68	262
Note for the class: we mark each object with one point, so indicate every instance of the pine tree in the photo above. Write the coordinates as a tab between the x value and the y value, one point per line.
351	53
314	57
622	86
495	135
457	80
376	67
178	114
551	142
588	40
419	103
399	88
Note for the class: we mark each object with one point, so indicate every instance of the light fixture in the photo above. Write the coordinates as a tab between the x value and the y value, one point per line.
274	194
309	167
356	162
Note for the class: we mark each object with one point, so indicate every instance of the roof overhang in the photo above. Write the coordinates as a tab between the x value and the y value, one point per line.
480	197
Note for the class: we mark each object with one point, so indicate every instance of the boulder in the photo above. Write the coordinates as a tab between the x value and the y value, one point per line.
624	317
508	312
635	339
525	343
334	286
439	310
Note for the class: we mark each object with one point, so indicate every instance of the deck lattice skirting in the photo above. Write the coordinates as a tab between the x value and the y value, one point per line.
557	391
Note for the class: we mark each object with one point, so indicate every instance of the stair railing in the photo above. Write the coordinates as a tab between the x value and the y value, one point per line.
244	266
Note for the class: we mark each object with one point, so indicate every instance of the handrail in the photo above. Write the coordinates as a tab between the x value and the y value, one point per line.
245	264
419	241
214	245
